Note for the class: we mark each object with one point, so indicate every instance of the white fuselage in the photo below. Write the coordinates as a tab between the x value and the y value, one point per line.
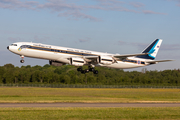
62	54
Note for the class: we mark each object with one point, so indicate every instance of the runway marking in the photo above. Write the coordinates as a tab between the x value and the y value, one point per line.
9	105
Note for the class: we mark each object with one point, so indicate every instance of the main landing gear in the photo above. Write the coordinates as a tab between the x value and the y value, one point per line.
22	59
91	69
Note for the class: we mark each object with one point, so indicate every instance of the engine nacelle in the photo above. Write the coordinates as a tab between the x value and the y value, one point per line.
77	61
56	63
106	60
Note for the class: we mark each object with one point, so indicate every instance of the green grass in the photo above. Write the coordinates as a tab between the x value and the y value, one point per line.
88	95
89	113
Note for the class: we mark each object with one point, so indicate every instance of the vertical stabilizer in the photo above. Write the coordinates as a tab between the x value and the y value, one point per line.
152	49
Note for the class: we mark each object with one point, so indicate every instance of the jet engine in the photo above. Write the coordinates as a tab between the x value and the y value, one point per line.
56	63
77	61
106	60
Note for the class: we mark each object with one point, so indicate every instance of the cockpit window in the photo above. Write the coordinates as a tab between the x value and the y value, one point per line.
13	44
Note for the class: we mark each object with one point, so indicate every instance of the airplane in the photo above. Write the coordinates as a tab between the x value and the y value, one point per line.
59	56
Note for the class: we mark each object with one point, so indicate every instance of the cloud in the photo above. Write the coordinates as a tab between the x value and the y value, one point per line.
17	4
178	4
122	43
137	4
37	39
111	5
83	40
75	9
170	47
76	15
16	39
70	10
152	12
141	46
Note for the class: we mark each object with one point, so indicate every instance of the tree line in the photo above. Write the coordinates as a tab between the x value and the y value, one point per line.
69	75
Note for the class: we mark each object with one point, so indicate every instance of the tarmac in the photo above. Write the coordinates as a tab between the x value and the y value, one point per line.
95	105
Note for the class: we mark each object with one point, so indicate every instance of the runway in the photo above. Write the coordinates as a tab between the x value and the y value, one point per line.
101	105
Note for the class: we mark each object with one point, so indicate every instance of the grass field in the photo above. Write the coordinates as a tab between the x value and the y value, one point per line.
88	95
89	113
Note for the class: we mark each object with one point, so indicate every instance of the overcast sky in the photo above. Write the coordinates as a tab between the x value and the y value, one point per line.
113	26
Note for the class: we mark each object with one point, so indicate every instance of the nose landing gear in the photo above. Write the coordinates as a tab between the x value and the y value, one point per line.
22	59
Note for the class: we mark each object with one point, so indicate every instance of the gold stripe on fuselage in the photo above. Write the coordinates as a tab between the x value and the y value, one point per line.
65	51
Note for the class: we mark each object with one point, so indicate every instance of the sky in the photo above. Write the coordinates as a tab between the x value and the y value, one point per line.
113	26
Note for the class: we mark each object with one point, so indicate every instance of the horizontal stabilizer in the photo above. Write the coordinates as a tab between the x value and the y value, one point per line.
130	55
157	61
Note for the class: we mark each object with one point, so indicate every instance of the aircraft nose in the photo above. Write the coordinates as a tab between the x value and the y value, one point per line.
8	47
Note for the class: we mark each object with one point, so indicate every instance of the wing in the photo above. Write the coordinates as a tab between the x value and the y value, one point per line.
93	59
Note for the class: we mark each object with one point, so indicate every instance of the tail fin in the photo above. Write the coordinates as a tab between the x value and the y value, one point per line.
152	49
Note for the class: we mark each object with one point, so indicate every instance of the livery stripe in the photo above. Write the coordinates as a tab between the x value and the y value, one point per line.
56	50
